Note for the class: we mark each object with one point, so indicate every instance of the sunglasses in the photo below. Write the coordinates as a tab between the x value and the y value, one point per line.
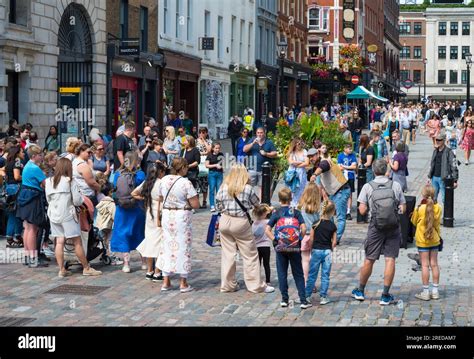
149	141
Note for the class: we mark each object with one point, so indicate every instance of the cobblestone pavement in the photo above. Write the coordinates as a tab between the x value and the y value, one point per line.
130	300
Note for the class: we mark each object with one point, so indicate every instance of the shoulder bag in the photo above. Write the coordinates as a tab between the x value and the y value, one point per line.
246	211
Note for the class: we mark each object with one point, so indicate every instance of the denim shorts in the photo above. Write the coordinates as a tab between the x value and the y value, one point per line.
428	249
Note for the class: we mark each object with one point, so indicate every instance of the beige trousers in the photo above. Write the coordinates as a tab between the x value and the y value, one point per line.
236	234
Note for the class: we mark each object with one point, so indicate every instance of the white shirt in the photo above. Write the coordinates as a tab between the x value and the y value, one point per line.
62	199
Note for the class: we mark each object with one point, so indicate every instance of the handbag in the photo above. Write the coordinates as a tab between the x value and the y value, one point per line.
246	211
203	170
213	234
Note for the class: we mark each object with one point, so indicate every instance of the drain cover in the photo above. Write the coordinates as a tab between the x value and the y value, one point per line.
77	289
15	321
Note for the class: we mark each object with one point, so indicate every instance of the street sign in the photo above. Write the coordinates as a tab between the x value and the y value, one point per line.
207	43
262	83
355	79
408	84
129	50
69	90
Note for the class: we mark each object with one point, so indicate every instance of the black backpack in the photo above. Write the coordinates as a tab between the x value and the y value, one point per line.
124	188
384	210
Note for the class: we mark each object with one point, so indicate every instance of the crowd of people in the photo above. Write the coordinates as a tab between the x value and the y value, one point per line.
141	193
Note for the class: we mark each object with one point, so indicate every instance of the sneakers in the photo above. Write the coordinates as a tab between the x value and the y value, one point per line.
324	300
149	275
283	304
423	296
387	299
435	295
91	272
126	269
157	278
306	305
358	294
64	273
37	263
213	209
116	261
269	289
348	217
144	266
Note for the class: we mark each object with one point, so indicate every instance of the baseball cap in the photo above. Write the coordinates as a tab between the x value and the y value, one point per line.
312	152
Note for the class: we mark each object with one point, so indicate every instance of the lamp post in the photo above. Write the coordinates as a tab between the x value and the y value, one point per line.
468	64
282	46
425	61
330	64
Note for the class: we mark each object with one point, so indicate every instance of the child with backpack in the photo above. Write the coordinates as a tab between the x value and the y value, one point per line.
323	241
427	219
263	243
289	226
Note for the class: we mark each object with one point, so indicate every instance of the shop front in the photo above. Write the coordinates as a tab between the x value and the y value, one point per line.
266	99
214	111
242	90
180	85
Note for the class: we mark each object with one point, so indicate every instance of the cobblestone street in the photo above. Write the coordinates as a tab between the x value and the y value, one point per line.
130	300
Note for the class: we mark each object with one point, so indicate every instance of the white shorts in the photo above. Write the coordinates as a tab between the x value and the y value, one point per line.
255	178
69	229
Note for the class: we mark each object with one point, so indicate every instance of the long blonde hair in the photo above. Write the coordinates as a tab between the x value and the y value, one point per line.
428	194
171	132
310	200
236	180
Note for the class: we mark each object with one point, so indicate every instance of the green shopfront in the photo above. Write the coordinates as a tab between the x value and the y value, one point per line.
242	90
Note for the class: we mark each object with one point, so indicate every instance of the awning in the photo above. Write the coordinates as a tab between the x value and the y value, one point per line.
361	93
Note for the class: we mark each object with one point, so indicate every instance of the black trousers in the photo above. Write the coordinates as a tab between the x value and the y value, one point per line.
264	254
234	145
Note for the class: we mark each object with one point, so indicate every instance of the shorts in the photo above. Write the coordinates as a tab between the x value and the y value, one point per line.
69	229
378	242
428	249
255	178
352	184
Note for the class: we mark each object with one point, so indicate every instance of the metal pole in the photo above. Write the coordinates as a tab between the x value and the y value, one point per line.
448	217
266	183
281	87
419	92
468	86
424	82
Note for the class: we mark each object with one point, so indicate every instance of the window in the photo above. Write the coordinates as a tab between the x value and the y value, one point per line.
454	28
404	74
189	23
464	77
441	77
232	39
405	28
207	23
165	16
19	12
465	50
453	53
179	23
417	76
325	19
441	52
241	43
314	19
273	47
220	47
123	19
405	53
249	43
268	47
417	28
453	77
143	28
318	19
417	52
442	28
466	28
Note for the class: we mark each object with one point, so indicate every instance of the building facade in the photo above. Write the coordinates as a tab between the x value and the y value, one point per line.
53	65
413	40
372	43
392	47
292	26
451	34
266	57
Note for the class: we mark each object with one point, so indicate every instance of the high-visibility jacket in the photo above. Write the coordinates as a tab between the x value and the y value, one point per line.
248	122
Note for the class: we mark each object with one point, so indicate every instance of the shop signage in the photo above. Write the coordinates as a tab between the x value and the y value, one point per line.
288	70
408	84
452	90
129	50
262	83
207	43
348	16
128	68
69	90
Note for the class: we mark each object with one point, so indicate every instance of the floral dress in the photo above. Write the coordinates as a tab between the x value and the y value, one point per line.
202	181
175	252
468	140
301	172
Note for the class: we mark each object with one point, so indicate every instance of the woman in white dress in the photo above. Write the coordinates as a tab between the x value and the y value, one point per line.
177	198
298	160
148	192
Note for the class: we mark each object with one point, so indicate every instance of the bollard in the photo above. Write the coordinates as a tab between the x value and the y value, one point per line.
361	180
266	183
448	217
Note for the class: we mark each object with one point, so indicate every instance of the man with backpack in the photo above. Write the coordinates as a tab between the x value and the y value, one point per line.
385	200
289	226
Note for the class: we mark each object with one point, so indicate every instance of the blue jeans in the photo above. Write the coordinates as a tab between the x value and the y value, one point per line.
370	175
14	225
319	258
215	181
355	139
438	185
340	200
283	260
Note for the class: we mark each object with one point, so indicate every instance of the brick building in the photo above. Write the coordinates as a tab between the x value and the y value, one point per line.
392	47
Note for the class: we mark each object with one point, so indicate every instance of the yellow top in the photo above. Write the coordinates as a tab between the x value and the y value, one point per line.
418	219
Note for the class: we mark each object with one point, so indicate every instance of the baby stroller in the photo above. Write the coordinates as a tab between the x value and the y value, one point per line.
92	240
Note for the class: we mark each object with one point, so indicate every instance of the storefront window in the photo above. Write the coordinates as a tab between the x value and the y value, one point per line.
126	105
168	95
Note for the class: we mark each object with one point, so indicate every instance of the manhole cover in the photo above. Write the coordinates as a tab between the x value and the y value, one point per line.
15	321
77	289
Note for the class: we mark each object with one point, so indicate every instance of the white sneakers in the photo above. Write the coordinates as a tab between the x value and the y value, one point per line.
91	272
423	296
269	289
126	269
